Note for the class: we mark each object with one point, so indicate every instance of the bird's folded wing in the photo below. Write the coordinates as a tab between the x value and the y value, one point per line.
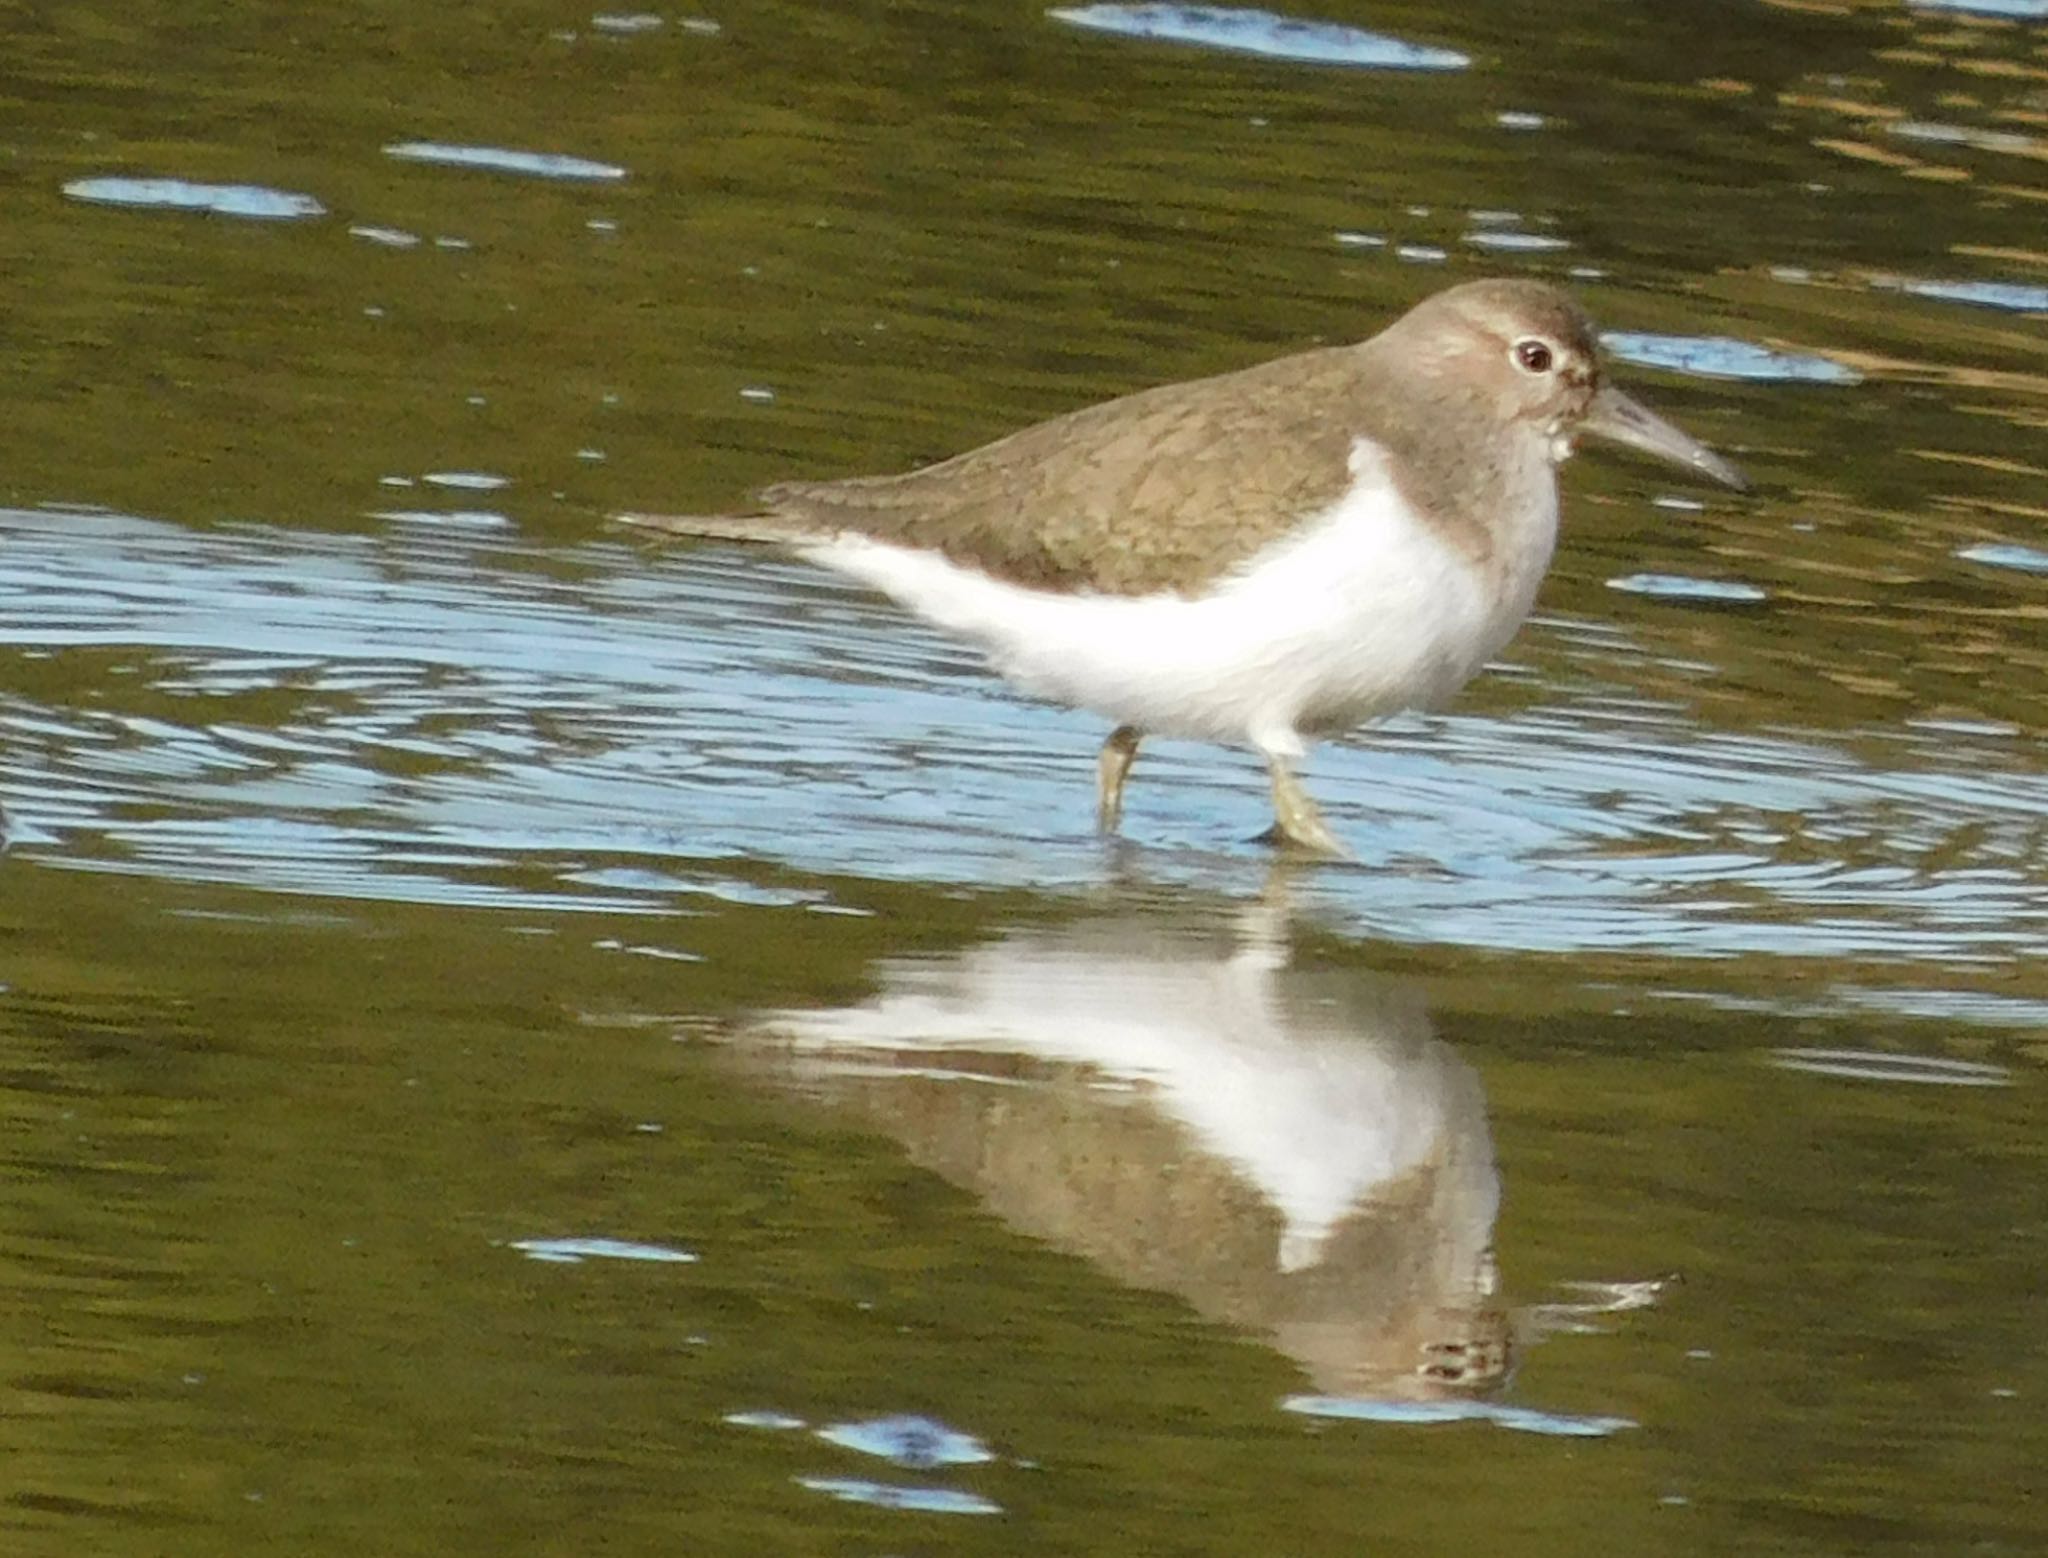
768	529
1164	490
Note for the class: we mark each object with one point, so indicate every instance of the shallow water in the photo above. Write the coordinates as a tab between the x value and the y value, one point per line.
516	1038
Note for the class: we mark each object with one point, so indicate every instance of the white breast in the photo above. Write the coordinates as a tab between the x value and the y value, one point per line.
1366	610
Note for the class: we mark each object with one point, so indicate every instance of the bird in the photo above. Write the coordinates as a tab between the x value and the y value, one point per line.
1267	556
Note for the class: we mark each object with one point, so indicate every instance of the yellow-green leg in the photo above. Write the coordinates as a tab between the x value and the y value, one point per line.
1111	768
1295	818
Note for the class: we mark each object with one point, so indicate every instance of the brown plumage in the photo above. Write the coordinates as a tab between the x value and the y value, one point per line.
1172	488
1266	555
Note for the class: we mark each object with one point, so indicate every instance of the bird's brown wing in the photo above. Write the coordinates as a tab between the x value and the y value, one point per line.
767	529
1166	489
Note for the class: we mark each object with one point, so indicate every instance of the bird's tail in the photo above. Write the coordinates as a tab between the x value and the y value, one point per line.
766	529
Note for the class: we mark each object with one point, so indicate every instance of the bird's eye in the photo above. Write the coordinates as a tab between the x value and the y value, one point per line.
1533	355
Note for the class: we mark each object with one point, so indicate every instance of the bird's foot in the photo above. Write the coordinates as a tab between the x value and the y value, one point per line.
1111	769
1297	824
1318	842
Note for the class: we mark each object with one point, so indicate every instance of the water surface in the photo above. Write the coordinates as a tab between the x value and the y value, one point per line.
516	1038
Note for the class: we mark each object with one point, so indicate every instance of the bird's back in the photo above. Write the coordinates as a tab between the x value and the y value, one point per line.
1163	490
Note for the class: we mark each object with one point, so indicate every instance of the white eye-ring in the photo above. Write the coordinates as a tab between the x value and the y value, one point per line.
1533	356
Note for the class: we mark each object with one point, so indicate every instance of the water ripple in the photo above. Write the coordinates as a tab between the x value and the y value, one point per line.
2018	10
1244	31
887	1495
1722	357
2010	295
1680	587
472	719
573	1252
915	1443
1525	1420
499	159
1859	1065
2002	554
174	194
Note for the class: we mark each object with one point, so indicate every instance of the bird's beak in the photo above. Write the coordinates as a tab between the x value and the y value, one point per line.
1628	421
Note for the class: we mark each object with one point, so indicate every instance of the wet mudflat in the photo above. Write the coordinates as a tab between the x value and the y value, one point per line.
515	1038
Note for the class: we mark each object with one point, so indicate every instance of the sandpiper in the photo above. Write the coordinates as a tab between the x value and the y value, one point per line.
1264	556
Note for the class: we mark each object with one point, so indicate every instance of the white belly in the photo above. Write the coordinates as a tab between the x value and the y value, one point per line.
1366	611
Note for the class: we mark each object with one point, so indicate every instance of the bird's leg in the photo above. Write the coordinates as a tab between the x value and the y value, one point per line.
1111	768
1295	818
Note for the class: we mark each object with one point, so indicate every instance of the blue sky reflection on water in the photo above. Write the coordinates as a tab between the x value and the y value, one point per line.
433	715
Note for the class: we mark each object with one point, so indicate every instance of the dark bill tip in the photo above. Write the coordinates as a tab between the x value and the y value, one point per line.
1628	421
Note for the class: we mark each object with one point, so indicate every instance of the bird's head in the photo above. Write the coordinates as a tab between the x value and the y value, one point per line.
1533	357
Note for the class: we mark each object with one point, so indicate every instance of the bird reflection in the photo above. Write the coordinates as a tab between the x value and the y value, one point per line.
1293	1151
